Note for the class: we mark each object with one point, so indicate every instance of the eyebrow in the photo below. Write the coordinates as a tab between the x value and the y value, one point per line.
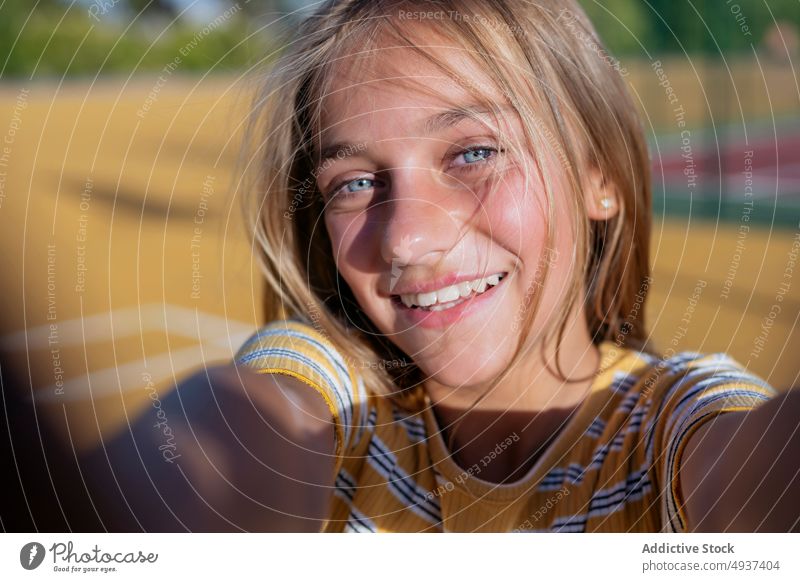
433	124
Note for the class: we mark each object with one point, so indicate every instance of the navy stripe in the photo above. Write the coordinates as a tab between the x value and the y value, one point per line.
359	523
596	428
402	485
343	408
413	427
570	523
333	357
671	452
635	483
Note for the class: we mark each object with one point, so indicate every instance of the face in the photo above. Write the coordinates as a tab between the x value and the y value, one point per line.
437	230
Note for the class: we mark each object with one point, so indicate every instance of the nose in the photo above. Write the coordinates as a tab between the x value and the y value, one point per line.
424	219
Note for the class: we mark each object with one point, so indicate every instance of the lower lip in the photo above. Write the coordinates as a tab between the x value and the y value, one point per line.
438	319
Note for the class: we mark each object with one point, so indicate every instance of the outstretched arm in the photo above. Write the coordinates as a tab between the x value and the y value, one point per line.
741	471
232	450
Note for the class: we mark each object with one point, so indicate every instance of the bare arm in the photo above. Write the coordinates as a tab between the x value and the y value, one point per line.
741	471
242	451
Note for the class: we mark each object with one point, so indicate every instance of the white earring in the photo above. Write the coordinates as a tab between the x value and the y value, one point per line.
605	203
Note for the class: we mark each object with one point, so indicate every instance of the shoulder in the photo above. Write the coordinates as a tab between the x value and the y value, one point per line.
648	377
684	390
296	348
694	377
670	393
293	338
680	394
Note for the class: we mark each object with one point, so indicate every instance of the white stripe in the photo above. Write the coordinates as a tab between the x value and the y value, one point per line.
401	485
352	526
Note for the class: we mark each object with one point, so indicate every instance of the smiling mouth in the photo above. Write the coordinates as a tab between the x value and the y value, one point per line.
449	297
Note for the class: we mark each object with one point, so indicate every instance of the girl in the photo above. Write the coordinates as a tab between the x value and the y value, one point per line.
452	207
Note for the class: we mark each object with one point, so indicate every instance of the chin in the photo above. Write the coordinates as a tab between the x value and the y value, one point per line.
456	376
463	364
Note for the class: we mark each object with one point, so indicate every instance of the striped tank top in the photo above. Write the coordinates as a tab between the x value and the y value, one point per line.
612	468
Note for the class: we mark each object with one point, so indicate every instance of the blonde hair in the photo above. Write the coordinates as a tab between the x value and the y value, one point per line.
533	53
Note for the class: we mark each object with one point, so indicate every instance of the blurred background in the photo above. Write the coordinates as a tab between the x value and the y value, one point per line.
125	264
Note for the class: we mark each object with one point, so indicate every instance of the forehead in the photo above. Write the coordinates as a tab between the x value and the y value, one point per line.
401	81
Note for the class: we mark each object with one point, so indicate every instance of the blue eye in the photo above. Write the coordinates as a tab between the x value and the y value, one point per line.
352	187
476	155
359	185
471	155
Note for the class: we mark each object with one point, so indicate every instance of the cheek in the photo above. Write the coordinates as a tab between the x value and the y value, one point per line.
517	217
354	248
341	234
557	254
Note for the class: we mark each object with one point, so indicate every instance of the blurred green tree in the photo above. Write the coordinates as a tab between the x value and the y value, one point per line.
693	26
158	6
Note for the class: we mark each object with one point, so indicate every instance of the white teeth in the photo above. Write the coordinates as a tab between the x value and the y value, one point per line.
450	293
479	285
442	307
424	299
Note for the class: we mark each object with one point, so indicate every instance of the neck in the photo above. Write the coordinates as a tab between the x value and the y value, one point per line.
531	404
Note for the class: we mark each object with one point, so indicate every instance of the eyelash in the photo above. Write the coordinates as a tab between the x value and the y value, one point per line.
468	167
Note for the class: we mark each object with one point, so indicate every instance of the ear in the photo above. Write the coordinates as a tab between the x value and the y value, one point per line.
602	200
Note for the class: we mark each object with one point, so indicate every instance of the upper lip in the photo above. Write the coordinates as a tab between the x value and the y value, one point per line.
442	282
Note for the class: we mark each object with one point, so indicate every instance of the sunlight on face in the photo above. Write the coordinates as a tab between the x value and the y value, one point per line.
419	231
